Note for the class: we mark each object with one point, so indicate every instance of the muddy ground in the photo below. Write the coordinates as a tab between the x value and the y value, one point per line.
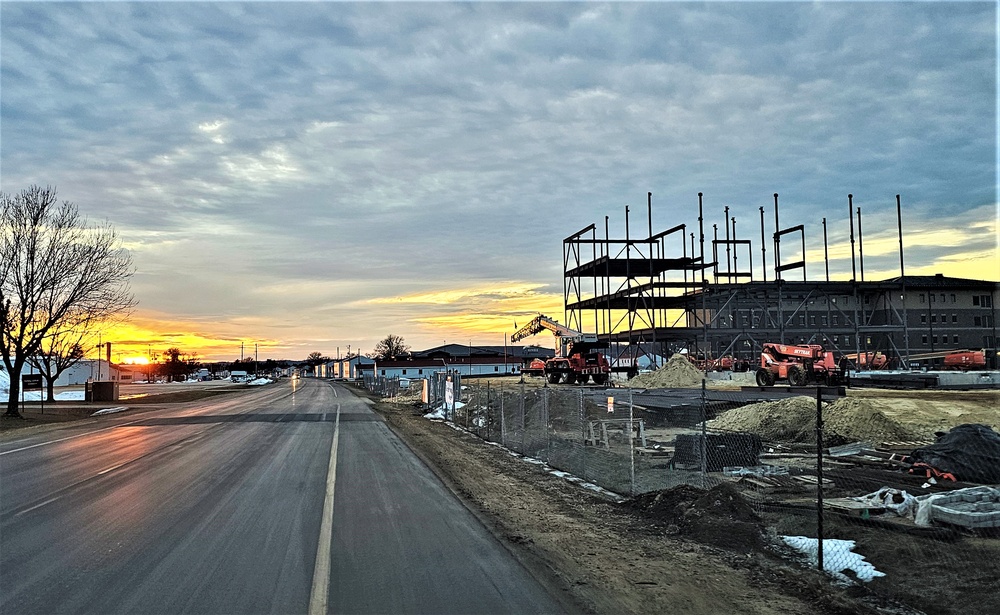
630	557
686	550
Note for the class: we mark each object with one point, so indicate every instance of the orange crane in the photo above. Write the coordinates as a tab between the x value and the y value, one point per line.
577	357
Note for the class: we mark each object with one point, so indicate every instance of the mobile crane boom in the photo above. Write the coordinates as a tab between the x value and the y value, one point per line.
567	337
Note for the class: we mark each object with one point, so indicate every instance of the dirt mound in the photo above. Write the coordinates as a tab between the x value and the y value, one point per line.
794	420
720	516
678	373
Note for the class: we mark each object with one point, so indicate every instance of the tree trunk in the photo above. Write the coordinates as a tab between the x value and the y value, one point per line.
15	391
50	385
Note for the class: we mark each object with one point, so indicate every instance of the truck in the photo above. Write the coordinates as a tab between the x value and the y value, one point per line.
799	365
578	355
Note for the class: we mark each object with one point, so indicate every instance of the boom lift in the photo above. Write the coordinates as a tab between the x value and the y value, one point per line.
577	354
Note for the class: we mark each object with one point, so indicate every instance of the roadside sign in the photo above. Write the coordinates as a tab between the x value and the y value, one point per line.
31	382
449	392
611	405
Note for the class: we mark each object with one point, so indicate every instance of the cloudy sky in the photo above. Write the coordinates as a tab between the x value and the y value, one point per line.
308	176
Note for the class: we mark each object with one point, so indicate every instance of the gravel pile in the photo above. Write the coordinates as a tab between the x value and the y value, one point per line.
678	373
794	420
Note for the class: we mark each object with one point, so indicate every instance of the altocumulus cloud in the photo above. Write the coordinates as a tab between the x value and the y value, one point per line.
397	150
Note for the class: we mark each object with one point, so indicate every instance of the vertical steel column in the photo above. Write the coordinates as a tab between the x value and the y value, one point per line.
826	253
850	217
861	246
902	280
729	271
763	248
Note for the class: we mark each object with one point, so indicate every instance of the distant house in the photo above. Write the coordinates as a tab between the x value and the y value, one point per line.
239	376
466	360
346	369
99	370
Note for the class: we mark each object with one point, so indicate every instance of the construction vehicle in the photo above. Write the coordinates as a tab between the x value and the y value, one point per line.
963	360
867	360
578	357
535	368
799	365
725	363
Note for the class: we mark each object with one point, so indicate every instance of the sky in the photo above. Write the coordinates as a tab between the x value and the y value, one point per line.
312	177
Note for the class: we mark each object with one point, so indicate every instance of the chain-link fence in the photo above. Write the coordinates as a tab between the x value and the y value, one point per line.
813	466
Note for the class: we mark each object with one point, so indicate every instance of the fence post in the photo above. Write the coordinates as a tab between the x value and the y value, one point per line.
704	435
631	446
503	425
819	478
583	434
520	418
488	410
545	424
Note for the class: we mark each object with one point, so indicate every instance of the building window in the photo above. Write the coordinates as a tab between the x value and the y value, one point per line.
975	300
931	295
978	321
935	339
987	321
923	339
942	297
404	372
921	297
836	339
933	317
823	320
954	299
383	372
923	318
988	341
420	372
954	318
496	368
836	319
954	339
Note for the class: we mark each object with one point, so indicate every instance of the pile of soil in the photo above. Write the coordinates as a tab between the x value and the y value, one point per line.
678	373
794	420
720	517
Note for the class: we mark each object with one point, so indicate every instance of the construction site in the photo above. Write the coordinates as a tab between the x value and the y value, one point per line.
771	413
729	296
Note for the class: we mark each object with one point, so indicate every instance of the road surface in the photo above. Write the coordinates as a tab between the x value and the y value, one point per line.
294	498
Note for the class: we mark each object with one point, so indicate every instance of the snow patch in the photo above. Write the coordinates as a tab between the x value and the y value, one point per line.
837	557
110	411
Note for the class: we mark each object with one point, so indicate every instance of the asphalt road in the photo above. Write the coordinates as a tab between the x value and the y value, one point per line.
294	498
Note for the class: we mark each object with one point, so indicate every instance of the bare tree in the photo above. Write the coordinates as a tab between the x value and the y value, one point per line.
391	347
60	350
316	358
56	272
